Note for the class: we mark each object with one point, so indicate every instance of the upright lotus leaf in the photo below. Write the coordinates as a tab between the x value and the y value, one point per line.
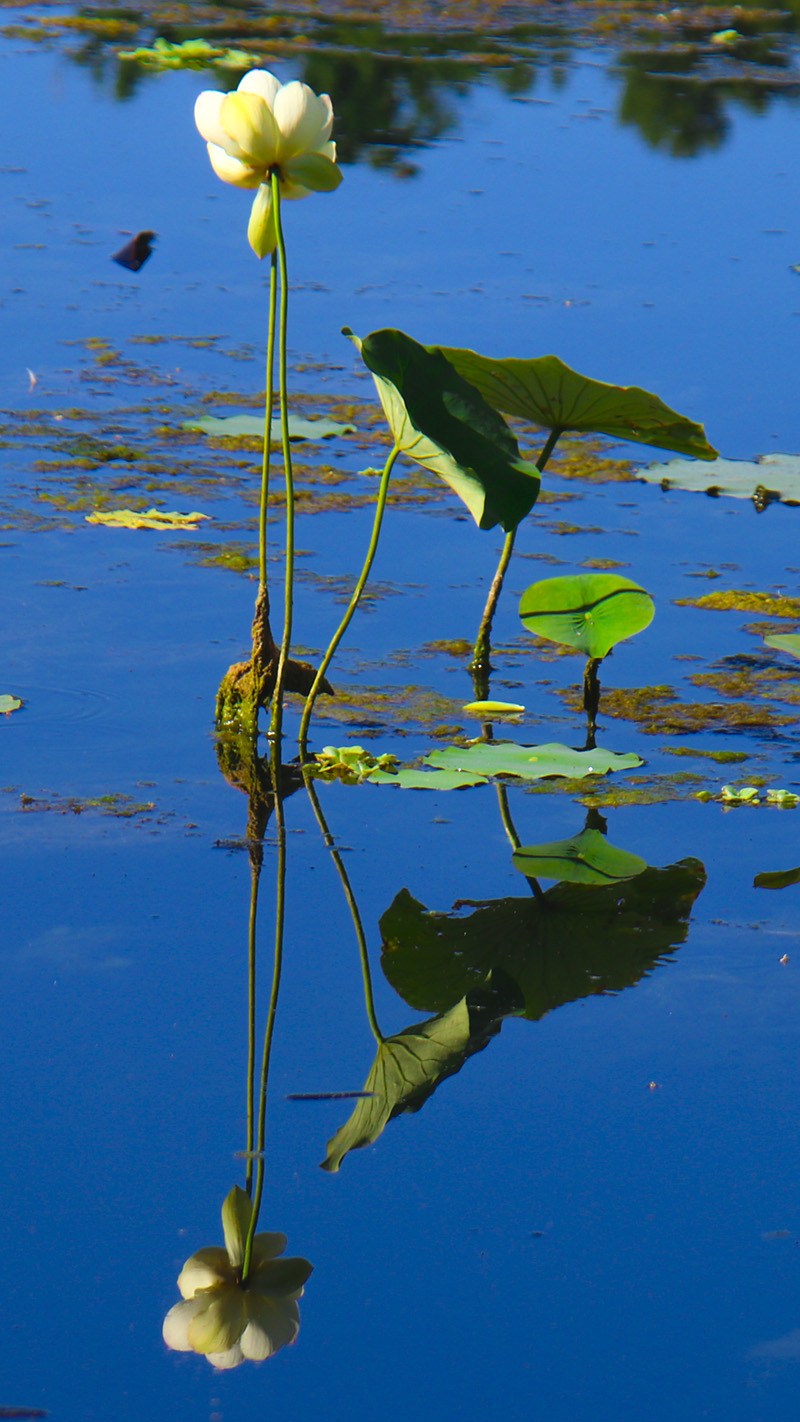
785	642
590	611
587	858
440	420
577	941
409	1067
548	393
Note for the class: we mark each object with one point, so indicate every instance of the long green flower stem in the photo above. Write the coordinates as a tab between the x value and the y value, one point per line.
280	915
270	379
277	695
480	657
354	601
353	906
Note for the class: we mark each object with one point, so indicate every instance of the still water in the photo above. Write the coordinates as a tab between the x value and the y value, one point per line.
597	1218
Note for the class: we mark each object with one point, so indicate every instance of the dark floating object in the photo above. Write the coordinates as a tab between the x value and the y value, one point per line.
133	256
329	1095
23	1412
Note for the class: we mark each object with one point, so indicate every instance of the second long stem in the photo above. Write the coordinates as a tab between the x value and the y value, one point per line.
380	505
277	695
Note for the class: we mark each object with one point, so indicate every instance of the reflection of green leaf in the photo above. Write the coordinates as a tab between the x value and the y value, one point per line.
443	423
577	941
590	611
780	879
252	427
785	642
530	762
407	1068
427	779
587	858
775	476
546	392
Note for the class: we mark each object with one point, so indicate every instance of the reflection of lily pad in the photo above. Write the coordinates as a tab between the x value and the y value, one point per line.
442	422
579	940
409	1067
547	392
252	427
773	476
587	858
589	611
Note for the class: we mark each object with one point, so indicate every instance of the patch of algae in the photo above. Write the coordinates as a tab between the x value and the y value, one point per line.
771	684
404	710
740	601
657	711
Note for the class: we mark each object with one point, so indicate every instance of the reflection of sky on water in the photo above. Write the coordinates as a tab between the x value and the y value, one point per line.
548	1226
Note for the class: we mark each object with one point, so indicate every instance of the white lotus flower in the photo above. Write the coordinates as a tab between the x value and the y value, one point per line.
228	1320
265	127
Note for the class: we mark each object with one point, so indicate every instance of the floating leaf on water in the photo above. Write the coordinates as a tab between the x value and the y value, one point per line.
547	392
785	798
441	421
746	795
490	758
252	427
590	611
153	518
350	764
191	54
485	710
780	879
769	479
9	704
409	779
785	642
587	858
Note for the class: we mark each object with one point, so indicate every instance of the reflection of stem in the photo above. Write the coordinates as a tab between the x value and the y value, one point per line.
505	815
354	601
353	906
280	908
277	695
262	518
591	699
255	872
480	667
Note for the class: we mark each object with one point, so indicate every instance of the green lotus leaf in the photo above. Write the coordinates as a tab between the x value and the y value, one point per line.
411	779
769	479
587	858
590	611
439	420
779	879
490	758
548	393
407	1069
252	427
785	642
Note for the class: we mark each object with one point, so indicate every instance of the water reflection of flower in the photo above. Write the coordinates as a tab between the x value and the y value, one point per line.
267	128
229	1317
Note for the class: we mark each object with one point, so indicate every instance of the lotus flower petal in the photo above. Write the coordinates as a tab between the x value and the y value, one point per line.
251	129
303	119
206	116
267	1246
279	1278
221	1323
176	1324
207	1268
260	81
232	170
261	232
273	1323
230	1359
